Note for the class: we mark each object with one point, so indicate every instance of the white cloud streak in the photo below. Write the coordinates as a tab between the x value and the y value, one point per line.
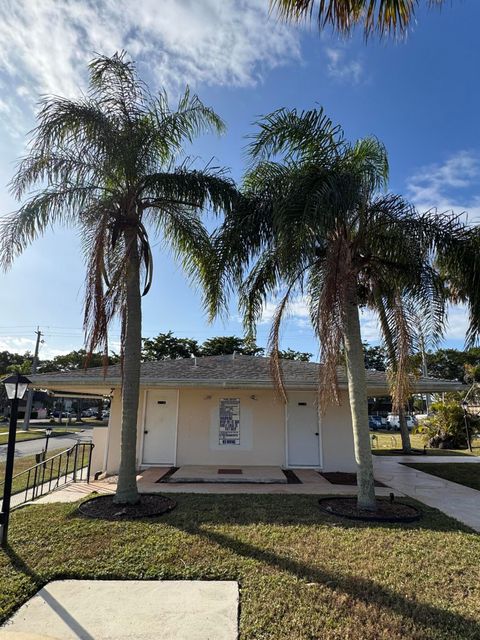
297	310
14	344
44	46
448	185
341	67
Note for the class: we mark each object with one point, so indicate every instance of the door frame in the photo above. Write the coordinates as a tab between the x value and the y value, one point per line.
320	438
143	425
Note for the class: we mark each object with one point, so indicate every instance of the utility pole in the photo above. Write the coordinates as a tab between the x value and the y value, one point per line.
28	408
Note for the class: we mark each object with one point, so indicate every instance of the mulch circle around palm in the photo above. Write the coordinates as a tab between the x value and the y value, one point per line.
387	511
104	508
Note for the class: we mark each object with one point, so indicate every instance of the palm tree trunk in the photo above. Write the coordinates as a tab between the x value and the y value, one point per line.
127	492
357	391
404	433
387	336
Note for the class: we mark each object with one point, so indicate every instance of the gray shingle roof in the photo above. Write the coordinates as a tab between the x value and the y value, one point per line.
222	371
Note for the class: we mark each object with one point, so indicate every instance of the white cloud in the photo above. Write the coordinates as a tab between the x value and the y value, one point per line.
457	325
297	311
44	46
369	327
14	344
448	185
341	67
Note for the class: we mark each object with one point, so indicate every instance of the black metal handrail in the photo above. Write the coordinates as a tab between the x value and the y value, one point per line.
70	465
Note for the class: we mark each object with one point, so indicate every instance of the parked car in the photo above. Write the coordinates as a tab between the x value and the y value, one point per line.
375	423
65	414
394	422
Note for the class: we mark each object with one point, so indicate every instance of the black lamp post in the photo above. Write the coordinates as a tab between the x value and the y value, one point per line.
48	433
15	385
465	419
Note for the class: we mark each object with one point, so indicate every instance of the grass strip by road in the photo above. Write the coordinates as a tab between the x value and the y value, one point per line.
464	473
49	472
35	434
302	574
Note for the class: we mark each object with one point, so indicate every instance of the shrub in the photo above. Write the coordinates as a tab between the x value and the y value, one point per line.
446	428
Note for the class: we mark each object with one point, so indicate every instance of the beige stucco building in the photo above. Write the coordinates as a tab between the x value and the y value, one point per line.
223	411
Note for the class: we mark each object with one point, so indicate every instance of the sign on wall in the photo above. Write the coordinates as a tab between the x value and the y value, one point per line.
229	427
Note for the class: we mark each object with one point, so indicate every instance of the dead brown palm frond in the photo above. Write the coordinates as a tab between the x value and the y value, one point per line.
403	338
328	292
385	17
104	289
273	347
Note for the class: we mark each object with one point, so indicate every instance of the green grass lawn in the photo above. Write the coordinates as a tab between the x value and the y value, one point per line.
303	575
389	443
463	473
25	462
21	437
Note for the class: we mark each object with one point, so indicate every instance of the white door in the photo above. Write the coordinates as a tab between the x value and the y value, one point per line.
303	432
160	427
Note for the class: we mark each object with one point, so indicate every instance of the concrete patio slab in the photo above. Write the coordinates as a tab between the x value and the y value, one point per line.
128	610
75	492
228	474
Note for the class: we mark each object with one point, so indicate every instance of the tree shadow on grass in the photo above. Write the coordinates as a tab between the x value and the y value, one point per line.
50	601
281	510
422	614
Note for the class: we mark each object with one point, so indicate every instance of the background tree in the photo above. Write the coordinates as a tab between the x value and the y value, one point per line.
9	360
448	363
166	346
291	354
75	360
225	345
109	164
392	17
25	367
374	357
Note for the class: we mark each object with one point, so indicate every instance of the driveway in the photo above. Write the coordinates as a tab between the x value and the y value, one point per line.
456	500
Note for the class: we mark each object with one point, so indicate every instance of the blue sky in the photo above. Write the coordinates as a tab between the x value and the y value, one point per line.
421	97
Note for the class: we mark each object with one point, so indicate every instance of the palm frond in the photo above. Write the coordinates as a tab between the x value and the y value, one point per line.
305	134
58	204
391	17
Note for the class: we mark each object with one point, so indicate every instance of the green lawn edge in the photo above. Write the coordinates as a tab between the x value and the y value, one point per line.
464	473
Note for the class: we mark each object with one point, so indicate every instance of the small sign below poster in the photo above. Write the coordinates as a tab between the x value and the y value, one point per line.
229	428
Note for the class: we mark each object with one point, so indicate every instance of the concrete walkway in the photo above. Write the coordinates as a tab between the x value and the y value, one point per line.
456	500
225	473
128	610
312	484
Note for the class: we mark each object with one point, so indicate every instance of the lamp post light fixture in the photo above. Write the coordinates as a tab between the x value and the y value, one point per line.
48	433
16	386
465	419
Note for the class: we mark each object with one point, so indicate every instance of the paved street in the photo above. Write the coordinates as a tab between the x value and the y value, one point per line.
30	447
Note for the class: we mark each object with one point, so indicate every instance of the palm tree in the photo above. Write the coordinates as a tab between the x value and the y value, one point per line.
406	322
313	222
384	16
109	164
